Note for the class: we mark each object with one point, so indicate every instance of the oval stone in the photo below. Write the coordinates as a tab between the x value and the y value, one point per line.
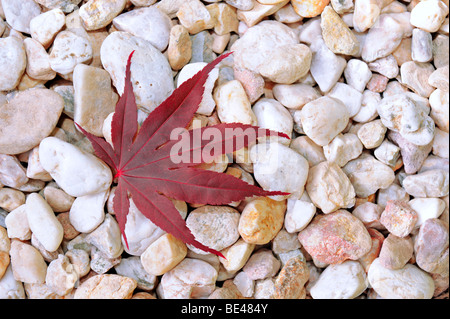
27	119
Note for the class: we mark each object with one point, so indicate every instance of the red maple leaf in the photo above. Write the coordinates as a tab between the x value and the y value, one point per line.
144	163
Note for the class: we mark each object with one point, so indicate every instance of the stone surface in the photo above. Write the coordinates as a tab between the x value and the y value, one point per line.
341	281
421	46
343	148
94	98
431	247
149	23
44	27
13	58
214	226
287	64
294	96
261	220
279	168
357	74
28	118
335	237
372	134
289	284
326	67
396	252
262	264
108	286
415	76
430	183
76	172
399	218
43	222
27	263
38	64
107	238
427	208
96	14
87	212
298	214
191	278
61	276
19	13
151	75
367	175
337	35
12	173
309	8
323	119
195	17
408	282
68	50
163	255
329	187
179	47
429	15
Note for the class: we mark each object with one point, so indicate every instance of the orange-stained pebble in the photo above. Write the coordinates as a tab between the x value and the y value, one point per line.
377	242
309	8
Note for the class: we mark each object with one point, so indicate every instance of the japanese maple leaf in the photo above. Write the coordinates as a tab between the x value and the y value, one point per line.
144	164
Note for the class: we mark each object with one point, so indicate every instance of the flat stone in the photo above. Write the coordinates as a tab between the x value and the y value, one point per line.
180	47
108	286
409	282
326	67
19	13
421	46
214	226
258	12
132	267
343	148
28	118
163	255
337	35
87	212
323	119
261	220
78	173
430	183
12	173
44	27
431	246
279	168
368	175
151	75
69	49
94	98
341	281
96	14
399	218
236	256
336	237
43	222
309	8
27	263
14	59
415	76
396	251
329	199
294	96
149	23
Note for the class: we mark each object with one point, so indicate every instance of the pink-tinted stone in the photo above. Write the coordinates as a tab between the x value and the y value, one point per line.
377	83
396	252
261	265
413	155
336	237
252	82
398	218
291	280
431	247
